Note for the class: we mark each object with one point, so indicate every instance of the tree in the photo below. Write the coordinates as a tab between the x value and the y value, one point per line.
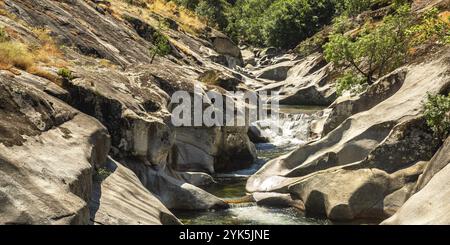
246	19
280	23
161	46
376	50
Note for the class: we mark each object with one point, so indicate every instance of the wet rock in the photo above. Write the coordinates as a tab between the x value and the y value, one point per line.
173	193
276	200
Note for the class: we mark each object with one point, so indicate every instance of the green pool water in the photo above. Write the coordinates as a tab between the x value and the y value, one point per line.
232	187
245	213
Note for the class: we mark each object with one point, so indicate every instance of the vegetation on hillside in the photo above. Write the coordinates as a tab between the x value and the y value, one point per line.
377	48
437	114
15	54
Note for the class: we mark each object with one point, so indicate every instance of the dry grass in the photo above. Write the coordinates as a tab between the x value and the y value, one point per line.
15	54
187	20
45	74
445	16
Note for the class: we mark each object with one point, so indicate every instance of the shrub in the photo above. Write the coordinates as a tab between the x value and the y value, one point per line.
15	54
280	23
138	3
290	21
214	11
350	82
353	7
161	46
437	114
246	19
432	27
65	73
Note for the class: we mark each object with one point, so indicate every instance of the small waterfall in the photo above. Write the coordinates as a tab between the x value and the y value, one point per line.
288	131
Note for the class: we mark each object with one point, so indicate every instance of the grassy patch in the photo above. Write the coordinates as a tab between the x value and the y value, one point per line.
65	73
17	55
187	20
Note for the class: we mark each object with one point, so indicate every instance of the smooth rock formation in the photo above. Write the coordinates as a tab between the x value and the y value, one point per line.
174	193
300	82
48	151
430	200
368	158
121	199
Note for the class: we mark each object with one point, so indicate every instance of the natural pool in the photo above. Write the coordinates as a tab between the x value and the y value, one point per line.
232	186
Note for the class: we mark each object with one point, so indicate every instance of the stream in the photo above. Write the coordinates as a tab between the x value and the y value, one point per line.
294	123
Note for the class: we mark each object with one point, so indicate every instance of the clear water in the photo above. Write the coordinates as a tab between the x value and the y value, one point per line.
231	186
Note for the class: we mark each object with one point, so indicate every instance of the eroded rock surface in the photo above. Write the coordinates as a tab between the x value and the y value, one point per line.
368	158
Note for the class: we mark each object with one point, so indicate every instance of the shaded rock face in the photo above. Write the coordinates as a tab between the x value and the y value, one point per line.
429	199
366	166
48	164
39	186
213	149
123	187
174	193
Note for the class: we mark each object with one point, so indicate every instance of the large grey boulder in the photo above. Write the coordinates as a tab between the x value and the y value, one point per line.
120	199
175	194
48	151
345	107
278	72
430	200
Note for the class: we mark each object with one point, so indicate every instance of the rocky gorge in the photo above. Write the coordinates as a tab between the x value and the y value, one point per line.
86	134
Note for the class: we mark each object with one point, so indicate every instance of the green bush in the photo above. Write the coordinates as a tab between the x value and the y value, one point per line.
430	28
65	73
161	46
189	4
350	82
246	20
214	11
354	7
101	174
138	3
437	114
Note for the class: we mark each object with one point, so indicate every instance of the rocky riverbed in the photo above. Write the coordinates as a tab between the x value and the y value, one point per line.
86	135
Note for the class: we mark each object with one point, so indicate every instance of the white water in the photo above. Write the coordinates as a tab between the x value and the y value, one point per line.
291	130
285	133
